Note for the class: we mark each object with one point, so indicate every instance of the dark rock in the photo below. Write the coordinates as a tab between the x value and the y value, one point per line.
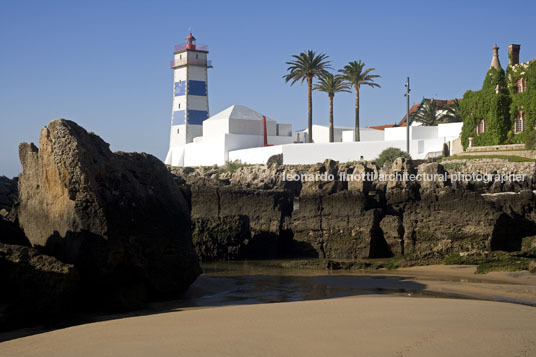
35	288
275	160
393	233
221	238
119	217
8	194
340	225
268	211
327	181
10	233
451	221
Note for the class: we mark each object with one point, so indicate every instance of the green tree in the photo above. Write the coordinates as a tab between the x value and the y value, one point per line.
389	155
331	84
356	75
428	114
305	67
425	114
454	113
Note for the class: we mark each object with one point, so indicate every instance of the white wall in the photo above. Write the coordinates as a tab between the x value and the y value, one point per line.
205	153
197	73
177	135
175	156
284	129
450	130
213	129
365	134
415	132
255	155
252	127
295	154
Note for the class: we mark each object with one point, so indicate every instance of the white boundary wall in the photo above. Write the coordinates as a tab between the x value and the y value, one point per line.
255	155
365	134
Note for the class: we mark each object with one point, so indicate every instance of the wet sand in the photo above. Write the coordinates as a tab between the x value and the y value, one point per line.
231	311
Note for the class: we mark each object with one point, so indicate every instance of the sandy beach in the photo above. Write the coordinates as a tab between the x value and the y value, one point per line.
360	325
357	326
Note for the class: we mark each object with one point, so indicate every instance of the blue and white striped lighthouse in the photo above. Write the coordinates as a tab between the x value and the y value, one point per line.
190	91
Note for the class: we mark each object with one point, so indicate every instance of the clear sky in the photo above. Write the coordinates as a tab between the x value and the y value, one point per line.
105	64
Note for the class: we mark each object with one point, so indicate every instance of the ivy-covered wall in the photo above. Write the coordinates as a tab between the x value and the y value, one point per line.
525	101
499	104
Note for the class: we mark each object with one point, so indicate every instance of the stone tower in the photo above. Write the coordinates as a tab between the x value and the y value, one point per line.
190	91
495	63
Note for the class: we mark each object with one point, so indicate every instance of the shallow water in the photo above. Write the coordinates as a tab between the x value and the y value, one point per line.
256	282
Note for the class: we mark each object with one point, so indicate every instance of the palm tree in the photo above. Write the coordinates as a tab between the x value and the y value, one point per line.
425	114
357	76
331	84
305	67
454	113
428	115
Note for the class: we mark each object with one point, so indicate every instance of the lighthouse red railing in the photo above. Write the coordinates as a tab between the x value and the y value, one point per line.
197	47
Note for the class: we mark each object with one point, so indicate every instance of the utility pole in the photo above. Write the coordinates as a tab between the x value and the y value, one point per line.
407	113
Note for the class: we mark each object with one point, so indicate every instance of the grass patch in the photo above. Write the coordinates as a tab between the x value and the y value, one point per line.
232	166
511	263
331	264
495	261
454	166
509	158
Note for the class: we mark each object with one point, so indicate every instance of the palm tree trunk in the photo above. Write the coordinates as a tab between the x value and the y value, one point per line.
310	109
331	134
357	138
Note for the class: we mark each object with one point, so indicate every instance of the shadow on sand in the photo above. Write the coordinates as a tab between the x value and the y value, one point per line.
242	289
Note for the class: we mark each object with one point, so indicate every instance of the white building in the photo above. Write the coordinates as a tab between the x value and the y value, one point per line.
240	133
234	128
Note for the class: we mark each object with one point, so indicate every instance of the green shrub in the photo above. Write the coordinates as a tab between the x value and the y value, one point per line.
389	155
530	140
232	166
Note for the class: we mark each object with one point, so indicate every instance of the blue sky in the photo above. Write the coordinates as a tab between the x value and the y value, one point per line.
105	64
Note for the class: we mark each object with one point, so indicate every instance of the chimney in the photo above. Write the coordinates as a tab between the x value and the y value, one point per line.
513	54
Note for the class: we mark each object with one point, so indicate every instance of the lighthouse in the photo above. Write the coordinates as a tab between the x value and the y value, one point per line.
190	96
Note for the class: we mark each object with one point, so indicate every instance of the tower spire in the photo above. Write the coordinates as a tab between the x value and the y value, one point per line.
495	63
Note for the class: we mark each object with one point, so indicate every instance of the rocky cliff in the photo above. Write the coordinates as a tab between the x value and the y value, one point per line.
332	216
118	217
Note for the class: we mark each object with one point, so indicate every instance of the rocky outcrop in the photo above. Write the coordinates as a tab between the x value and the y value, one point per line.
449	221
340	225
118	217
8	194
10	233
35	288
221	238
268	212
337	214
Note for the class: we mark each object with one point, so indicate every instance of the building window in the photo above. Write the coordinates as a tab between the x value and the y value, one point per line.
521	85
196	56
180	56
178	131
481	127
519	125
179	105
